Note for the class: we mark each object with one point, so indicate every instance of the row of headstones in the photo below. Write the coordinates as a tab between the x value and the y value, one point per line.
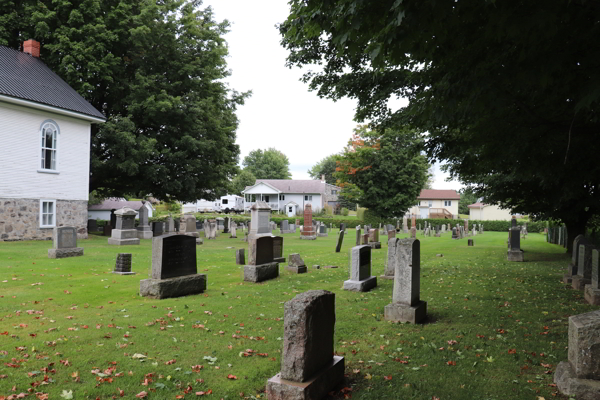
557	235
579	376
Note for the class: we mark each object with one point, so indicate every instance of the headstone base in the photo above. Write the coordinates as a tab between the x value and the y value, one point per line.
591	295
259	273
391	277
516	255
173	287
568	383
123	242
361	286
579	282
124	273
313	237
145	234
66	252
315	388
375	245
396	312
567	278
298	270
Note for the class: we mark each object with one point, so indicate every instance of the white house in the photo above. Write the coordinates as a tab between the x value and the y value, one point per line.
45	129
290	196
488	212
103	210
433	203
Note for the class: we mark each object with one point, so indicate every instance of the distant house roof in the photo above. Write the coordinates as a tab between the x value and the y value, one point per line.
25	77
115	204
294	185
434	194
476	205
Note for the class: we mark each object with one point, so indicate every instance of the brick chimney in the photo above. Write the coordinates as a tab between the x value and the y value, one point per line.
32	47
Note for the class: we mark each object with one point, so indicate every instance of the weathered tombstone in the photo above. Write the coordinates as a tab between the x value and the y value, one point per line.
322	232
296	264
390	267
261	265
285	226
592	291
365	238
413	221
391	234
92	225
226	224
143	228
174	268
292	228
470	242
260	214
338	247
404	224
309	370
123	264
454	233
65	243
413	232
206	229
360	270
406	304
233	231
572	267
584	269
190	226
124	232
514	247
358	235
374	239
169	225
278	249
220	223
579	377
240	257
308	232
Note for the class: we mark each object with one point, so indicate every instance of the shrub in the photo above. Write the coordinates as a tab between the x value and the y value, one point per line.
345	212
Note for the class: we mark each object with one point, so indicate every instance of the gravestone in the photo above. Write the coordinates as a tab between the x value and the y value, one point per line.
190	226
358	235
309	370
308	232
584	269
413	221
157	228
92	225
240	257
470	242
199	225
292	228
322	231
169	225
260	216
124	232
220	223
212	229
285	226
123	264
374	239
233	231
579	377
338	247
174	268
113	218
391	234
365	238
406	304
143	228
107	229
261	265
296	264
572	267
390	266
514	246
592	291
226	225
404	224
360	270
278	249
413	232
65	243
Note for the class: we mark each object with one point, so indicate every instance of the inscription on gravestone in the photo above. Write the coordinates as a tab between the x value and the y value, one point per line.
173	255
66	237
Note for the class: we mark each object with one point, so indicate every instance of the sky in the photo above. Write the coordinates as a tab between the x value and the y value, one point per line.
282	112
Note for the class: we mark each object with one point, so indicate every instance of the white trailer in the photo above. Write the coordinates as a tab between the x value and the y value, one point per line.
232	203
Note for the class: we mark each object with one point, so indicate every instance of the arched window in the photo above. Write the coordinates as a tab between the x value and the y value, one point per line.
49	132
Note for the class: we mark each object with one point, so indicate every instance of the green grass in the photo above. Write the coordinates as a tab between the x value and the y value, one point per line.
503	324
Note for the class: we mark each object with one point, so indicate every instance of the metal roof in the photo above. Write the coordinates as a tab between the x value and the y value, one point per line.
23	76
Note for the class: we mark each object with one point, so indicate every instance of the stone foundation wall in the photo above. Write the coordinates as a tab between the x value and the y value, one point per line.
20	219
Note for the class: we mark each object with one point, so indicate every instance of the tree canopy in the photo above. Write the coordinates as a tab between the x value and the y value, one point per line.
155	69
241	180
508	91
268	164
467	197
387	168
325	167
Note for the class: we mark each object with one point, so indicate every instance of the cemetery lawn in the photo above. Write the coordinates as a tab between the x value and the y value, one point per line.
496	330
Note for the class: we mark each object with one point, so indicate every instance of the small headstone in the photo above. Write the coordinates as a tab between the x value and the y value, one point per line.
338	247
261	265
322	232
309	370
240	257
470	242
413	232
358	235
296	264
233	231
64	243
157	228
190	226
174	268
226	225
360	270
125	232
365	238
405	224
579	377
169	225
406	304
260	214
123	264
285	226
92	225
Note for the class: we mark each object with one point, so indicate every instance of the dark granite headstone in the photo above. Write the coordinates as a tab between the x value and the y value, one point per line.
113	218
277	248
264	250
157	228
338	247
92	225
107	231
173	255
515	239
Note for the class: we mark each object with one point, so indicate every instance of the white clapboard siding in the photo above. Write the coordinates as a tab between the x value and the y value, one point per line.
20	152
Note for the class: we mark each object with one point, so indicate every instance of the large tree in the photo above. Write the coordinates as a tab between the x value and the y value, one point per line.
241	180
467	197
508	90
387	168
268	164
325	167
156	70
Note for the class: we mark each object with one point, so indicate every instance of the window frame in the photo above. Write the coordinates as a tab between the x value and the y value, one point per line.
308	197
43	148
430	203
447	203
53	224
281	197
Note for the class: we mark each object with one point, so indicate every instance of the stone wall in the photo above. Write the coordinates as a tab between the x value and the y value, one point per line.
20	219
328	196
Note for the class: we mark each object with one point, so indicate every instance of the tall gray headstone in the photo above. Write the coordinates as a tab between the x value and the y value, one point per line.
358	235
143	228
584	269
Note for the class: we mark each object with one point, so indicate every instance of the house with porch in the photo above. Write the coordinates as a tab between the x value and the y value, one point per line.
433	203
289	196
45	132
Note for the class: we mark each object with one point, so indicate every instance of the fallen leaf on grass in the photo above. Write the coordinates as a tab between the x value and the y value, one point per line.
387	378
230	376
141	395
67	394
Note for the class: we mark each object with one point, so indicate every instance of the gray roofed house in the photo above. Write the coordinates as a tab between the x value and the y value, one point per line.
45	131
291	195
102	210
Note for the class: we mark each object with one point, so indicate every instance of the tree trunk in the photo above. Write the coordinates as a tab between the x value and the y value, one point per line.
575	228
